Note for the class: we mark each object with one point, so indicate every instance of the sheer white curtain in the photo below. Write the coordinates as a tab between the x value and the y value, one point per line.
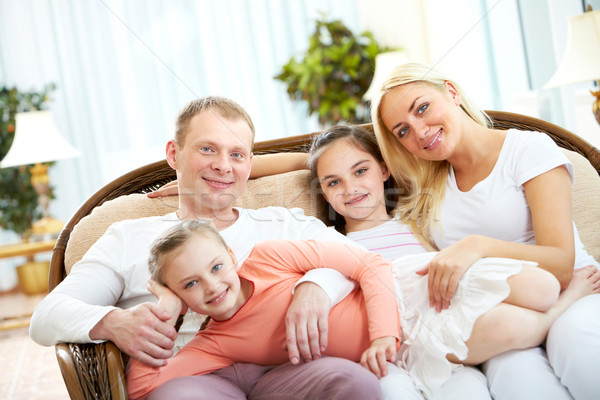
124	68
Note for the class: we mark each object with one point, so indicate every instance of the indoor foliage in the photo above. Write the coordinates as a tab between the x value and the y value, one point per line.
334	73
18	199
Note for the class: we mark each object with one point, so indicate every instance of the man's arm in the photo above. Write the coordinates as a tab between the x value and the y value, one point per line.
262	165
143	332
87	306
307	316
80	310
315	293
278	163
370	270
70	311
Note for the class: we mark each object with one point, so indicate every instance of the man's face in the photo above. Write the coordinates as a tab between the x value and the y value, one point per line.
213	165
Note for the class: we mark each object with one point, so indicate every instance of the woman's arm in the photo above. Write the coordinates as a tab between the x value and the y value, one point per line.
549	199
262	165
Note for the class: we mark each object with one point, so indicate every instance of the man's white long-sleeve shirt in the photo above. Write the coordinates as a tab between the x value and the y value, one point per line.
114	271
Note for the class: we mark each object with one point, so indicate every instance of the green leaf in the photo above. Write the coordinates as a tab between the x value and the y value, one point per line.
333	73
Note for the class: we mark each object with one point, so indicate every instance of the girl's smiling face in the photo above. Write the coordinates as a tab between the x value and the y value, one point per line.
425	119
352	182
203	274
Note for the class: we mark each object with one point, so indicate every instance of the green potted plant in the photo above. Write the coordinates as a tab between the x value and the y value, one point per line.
18	199
334	73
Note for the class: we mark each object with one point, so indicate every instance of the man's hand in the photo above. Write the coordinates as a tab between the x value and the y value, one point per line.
375	358
306	323
142	332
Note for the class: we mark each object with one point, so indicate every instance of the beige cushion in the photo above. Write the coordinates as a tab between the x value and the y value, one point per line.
292	189
285	190
91	227
586	202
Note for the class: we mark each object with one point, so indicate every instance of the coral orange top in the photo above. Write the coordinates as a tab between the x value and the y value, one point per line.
256	333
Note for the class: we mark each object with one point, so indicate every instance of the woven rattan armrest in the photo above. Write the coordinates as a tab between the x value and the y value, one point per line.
92	371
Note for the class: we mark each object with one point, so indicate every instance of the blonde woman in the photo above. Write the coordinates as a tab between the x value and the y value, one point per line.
475	192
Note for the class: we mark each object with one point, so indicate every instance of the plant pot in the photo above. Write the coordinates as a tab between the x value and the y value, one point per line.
33	277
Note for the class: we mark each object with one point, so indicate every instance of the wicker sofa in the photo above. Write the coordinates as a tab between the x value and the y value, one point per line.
93	371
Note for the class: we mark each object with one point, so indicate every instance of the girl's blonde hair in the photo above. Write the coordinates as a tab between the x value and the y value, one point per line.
424	181
172	240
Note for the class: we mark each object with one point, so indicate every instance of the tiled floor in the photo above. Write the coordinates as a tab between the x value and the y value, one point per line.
16	308
28	371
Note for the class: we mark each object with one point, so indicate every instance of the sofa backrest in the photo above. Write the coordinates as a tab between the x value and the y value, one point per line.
288	190
586	202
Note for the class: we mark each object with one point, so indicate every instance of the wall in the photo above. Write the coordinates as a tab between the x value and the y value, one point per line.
501	51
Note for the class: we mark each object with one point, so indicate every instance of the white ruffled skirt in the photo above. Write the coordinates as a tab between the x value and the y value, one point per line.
428	335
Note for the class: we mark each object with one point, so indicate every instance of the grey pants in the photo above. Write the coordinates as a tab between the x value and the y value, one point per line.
328	378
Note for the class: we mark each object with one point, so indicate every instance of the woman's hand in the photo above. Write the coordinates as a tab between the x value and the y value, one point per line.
375	358
168	299
447	268
170	189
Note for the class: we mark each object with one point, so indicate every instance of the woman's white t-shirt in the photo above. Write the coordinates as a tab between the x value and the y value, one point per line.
496	206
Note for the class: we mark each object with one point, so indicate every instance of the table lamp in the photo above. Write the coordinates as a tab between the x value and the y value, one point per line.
581	61
384	64
37	141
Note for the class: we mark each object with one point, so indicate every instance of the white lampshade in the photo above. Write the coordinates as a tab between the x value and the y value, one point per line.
582	58
384	64
37	140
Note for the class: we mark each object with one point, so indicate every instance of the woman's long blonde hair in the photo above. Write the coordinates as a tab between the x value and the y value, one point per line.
423	181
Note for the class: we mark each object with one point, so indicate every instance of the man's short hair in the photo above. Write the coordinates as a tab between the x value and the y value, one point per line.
225	107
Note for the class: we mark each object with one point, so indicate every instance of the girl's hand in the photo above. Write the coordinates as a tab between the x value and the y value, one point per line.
168	299
448	267
170	189
375	358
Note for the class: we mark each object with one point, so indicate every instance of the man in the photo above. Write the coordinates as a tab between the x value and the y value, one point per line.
105	297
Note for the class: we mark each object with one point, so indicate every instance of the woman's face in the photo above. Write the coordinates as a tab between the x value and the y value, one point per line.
425	119
352	182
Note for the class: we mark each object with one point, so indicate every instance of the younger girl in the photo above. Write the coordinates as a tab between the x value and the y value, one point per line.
352	175
248	305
